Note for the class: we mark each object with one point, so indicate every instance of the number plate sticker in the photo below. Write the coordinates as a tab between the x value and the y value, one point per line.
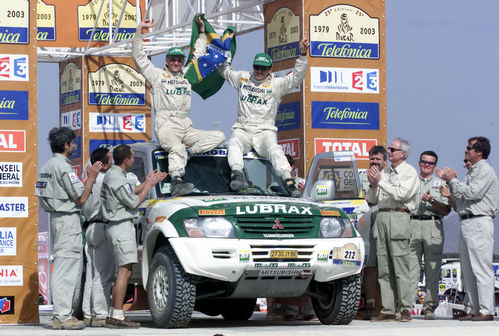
280	272
278	254
348	255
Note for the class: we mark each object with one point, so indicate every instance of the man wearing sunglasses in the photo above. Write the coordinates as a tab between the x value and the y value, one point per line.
428	232
476	198
394	189
260	94
171	98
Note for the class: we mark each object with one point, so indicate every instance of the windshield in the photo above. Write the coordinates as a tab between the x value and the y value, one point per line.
210	174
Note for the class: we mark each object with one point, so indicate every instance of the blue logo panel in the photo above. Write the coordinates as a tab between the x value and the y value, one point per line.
285	51
288	116
344	50
116	99
77	151
14	35
45	34
70	97
102	34
14	105
345	115
109	143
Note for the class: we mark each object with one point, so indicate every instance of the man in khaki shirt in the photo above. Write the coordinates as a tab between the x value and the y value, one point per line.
394	189
428	232
476	200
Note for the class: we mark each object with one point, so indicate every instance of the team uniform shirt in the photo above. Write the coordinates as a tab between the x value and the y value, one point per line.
58	186
170	93
91	210
479	193
119	201
397	189
432	184
258	101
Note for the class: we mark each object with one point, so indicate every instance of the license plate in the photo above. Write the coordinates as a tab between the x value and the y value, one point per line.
278	254
280	272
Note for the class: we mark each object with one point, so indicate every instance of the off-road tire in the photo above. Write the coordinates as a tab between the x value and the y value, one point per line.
170	291
238	309
339	302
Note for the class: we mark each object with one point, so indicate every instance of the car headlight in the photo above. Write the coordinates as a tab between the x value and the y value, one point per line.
212	227
333	227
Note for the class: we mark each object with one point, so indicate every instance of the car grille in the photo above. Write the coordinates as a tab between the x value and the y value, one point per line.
262	225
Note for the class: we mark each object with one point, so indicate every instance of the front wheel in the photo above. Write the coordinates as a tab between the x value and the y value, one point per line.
170	291
338	300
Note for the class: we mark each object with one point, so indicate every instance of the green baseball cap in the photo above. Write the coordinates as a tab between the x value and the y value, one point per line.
175	51
262	59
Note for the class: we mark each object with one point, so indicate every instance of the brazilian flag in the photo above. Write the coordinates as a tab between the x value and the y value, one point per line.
202	74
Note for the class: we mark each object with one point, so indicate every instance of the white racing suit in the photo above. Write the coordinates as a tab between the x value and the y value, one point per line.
171	98
255	125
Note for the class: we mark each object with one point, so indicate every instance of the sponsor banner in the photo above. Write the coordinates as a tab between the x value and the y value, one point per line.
11	275
350	80
283	73
14	21
344	31
345	115
288	116
14	105
45	21
283	35
8	241
117	123
11	174
77	151
13	207
291	147
14	67
109	143
13	141
87	17
70	84
71	119
360	147
7	304
117	85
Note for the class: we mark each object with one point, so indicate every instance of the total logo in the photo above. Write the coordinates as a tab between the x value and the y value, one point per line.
351	80
117	122
14	67
291	147
13	141
360	147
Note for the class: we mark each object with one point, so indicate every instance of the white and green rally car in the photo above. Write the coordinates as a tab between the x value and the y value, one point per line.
217	251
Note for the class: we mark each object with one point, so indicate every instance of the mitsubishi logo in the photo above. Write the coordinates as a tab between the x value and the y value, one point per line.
277	225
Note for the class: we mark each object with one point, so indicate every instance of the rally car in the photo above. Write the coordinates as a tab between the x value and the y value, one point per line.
217	251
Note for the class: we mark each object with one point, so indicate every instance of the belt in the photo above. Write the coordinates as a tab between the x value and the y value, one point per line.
425	217
466	216
393	210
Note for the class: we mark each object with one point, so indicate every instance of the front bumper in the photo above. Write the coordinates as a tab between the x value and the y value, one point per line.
230	259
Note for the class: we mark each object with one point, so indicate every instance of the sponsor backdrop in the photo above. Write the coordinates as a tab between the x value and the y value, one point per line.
342	104
106	106
18	160
63	23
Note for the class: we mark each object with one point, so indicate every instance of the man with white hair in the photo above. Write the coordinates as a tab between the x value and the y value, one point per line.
395	191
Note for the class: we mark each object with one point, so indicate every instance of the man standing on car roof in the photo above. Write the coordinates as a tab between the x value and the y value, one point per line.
171	97
259	95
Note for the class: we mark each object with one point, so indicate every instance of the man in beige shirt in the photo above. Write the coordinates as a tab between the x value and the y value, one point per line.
476	201
395	191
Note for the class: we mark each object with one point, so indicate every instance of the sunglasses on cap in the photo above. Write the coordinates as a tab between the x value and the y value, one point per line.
260	67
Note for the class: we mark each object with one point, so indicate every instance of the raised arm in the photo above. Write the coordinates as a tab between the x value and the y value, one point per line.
148	70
